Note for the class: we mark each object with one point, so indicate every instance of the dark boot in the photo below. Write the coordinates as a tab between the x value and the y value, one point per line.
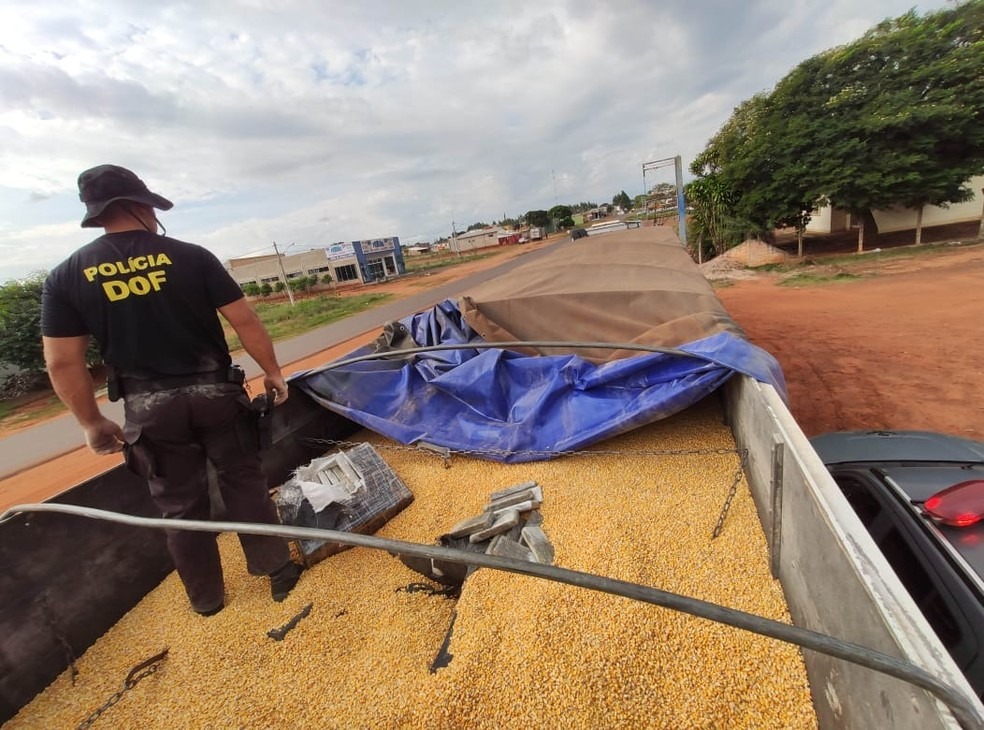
283	580
212	611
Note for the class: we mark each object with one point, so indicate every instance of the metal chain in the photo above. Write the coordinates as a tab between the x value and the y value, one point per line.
731	493
140	671
739	471
505	452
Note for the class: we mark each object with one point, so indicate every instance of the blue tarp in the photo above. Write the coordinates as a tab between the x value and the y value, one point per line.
513	407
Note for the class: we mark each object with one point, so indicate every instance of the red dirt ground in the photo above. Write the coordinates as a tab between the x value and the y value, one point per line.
898	349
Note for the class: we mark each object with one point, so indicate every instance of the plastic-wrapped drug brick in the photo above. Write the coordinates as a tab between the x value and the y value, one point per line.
382	496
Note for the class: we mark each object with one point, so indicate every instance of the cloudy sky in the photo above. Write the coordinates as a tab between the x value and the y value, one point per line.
308	121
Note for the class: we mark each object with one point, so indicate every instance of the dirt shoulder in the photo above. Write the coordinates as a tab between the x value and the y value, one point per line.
895	348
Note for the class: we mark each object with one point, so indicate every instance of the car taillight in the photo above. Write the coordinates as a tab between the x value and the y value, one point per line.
961	505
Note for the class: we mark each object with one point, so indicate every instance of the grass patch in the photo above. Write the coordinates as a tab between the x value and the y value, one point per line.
857	261
897	252
771	267
11	414
432	262
816	279
282	320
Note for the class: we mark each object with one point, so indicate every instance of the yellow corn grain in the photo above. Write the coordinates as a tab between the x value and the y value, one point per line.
526	652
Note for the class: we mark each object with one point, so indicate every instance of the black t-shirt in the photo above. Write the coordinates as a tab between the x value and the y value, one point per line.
150	302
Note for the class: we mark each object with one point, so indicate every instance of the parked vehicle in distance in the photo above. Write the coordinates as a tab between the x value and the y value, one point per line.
921	497
577	233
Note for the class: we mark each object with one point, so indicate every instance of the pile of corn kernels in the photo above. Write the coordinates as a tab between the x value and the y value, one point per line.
525	652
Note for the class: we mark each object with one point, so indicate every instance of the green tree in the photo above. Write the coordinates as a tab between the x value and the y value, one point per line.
560	212
279	286
894	118
326	279
476	226
622	200
713	218
583	206
20	323
265	289
734	196
537	218
251	289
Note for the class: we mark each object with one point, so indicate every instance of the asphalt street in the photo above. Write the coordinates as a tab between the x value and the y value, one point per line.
37	444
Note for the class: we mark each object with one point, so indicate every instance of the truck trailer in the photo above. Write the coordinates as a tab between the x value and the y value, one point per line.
703	569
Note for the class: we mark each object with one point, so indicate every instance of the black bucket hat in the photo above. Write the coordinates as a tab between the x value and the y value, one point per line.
105	184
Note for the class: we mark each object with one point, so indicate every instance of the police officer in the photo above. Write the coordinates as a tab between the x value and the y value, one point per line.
151	304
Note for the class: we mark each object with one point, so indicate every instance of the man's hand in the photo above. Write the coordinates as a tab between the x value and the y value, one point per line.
276	388
256	341
104	436
65	358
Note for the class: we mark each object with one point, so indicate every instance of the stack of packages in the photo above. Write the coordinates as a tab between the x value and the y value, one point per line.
509	526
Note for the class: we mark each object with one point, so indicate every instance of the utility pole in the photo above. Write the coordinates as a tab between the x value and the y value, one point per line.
280	263
454	239
681	203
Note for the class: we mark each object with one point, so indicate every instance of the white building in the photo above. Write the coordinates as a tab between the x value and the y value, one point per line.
475	239
346	262
835	220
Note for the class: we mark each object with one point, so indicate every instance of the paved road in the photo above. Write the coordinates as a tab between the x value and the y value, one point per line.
35	445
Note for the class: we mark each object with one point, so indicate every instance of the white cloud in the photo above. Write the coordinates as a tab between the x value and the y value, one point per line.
260	120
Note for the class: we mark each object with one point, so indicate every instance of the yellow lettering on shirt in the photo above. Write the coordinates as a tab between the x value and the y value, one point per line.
138	285
156	279
115	290
141	285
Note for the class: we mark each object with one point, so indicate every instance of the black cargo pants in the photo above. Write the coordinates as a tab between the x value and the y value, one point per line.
170	434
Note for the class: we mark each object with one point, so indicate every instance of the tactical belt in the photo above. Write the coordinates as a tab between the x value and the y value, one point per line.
134	386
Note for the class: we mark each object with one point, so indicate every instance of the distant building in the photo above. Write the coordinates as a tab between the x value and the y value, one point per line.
602	211
347	262
483	238
836	220
475	239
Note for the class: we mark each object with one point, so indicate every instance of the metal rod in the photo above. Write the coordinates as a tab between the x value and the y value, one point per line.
505	345
962	707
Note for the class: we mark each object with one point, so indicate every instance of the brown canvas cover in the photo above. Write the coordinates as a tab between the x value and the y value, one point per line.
636	286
